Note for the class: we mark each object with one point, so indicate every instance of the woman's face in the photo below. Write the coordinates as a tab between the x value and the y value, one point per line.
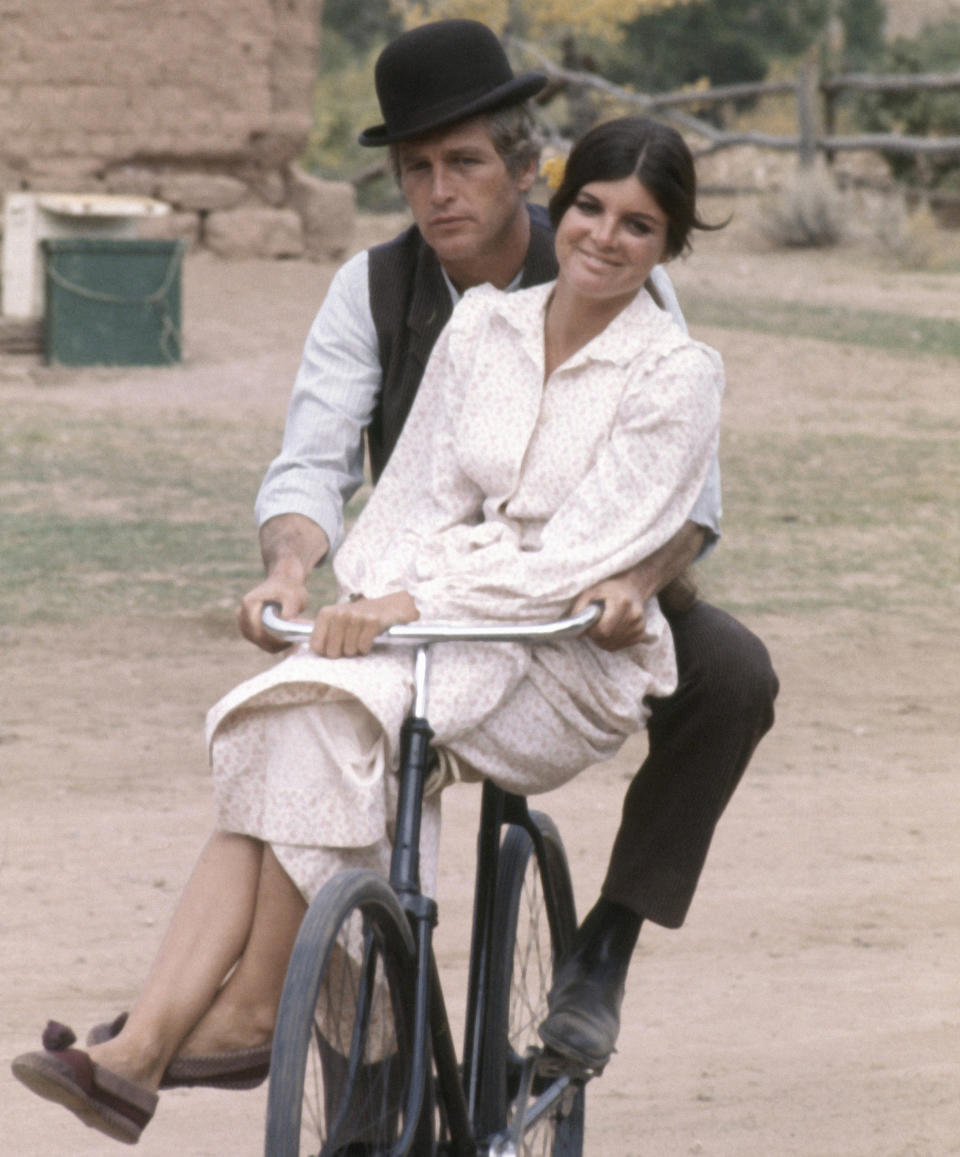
609	240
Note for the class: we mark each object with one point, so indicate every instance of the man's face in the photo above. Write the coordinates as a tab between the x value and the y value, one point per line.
461	194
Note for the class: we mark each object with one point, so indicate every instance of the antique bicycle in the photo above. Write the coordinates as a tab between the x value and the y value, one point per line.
363	1061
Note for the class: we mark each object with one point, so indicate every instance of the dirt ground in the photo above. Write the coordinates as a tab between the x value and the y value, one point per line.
810	1007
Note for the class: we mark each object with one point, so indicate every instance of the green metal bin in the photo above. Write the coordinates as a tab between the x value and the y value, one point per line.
112	302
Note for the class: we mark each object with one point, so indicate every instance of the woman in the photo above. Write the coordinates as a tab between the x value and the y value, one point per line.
560	435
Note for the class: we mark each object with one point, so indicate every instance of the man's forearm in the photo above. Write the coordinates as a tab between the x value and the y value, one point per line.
292	544
671	560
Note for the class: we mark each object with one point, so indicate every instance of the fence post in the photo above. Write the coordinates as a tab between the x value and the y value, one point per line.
808	110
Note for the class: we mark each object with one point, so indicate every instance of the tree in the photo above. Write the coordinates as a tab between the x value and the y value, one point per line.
936	48
863	22
553	19
361	26
726	41
560	26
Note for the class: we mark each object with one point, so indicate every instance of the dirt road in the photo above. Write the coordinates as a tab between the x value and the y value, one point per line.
811	1005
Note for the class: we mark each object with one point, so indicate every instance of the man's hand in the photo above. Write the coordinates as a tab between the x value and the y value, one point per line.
347	629
291	546
289	593
624	595
623	622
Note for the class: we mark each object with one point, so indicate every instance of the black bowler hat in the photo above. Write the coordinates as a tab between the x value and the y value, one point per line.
441	73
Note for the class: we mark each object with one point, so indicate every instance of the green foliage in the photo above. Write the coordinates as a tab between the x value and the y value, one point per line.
547	21
726	41
815	521
110	515
345	100
862	22
361	26
907	335
935	49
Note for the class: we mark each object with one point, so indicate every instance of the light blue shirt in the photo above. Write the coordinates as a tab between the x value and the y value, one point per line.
320	465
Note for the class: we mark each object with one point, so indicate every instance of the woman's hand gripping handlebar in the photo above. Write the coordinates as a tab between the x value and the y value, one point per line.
423	635
418	633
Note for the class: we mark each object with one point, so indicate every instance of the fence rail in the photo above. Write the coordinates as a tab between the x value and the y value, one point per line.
816	97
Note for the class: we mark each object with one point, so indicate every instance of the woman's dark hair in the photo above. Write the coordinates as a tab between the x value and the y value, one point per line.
655	154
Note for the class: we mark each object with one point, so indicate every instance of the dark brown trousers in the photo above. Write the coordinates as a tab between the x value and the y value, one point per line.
701	740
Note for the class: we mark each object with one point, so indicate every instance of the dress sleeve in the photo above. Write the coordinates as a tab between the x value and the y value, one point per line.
422	491
636	496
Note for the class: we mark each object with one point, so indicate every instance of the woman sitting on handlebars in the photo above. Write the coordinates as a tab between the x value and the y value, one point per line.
560	435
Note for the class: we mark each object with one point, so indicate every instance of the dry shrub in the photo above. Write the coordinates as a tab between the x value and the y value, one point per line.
807	212
908	236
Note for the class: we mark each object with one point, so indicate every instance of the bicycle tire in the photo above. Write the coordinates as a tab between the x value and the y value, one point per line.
534	922
343	1042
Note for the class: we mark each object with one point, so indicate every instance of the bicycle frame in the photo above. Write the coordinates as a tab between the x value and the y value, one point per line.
458	1087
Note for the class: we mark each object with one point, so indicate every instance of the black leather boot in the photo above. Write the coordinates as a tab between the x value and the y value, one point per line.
585	1000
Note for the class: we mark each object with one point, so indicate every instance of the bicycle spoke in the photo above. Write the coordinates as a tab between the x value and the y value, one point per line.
346	1079
523	958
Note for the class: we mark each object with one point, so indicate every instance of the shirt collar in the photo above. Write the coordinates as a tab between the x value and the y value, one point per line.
455	293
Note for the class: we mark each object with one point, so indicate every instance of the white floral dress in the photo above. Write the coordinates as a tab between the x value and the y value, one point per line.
506	496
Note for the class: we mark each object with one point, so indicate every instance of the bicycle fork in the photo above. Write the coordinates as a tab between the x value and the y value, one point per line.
431	1023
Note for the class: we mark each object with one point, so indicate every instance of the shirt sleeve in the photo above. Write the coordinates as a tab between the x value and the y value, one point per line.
708	509
320	464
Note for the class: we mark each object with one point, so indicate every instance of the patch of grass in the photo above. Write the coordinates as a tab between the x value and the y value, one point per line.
107	517
898	333
816	523
104	517
65	568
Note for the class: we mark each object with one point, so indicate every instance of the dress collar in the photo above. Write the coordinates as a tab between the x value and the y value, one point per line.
630	332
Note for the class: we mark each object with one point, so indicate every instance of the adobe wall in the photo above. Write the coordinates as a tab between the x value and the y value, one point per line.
204	104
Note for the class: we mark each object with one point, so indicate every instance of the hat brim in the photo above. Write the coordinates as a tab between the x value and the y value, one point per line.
516	91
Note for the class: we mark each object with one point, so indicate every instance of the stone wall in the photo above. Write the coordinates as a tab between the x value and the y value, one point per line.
203	104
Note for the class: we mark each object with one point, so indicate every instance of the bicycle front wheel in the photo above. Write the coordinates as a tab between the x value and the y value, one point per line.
534	924
343	1044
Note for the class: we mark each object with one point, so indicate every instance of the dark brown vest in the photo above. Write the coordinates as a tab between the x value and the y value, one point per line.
410	303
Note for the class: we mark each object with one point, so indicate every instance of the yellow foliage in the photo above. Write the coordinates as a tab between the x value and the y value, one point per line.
552	169
600	18
493	13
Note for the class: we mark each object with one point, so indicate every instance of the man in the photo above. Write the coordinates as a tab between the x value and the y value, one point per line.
464	152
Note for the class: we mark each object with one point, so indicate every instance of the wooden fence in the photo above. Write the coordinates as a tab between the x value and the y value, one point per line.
816	100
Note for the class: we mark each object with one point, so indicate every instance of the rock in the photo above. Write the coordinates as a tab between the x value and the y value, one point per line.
247	233
171	227
136	180
328	210
202	192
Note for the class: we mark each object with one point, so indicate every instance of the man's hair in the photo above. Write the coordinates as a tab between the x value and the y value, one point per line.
513	132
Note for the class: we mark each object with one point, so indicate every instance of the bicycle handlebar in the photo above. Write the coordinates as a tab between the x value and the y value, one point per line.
297	631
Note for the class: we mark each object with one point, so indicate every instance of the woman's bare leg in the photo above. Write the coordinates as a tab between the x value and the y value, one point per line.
210	927
245	1009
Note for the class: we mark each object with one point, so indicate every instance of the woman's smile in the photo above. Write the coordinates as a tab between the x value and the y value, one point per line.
610	239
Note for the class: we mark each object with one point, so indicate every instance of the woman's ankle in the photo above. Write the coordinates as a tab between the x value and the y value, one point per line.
138	1059
228	1027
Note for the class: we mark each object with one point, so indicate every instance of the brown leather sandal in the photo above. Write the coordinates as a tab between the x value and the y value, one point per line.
102	1099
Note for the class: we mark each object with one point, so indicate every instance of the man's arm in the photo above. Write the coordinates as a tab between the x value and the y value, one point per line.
291	546
622	623
320	464
300	503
